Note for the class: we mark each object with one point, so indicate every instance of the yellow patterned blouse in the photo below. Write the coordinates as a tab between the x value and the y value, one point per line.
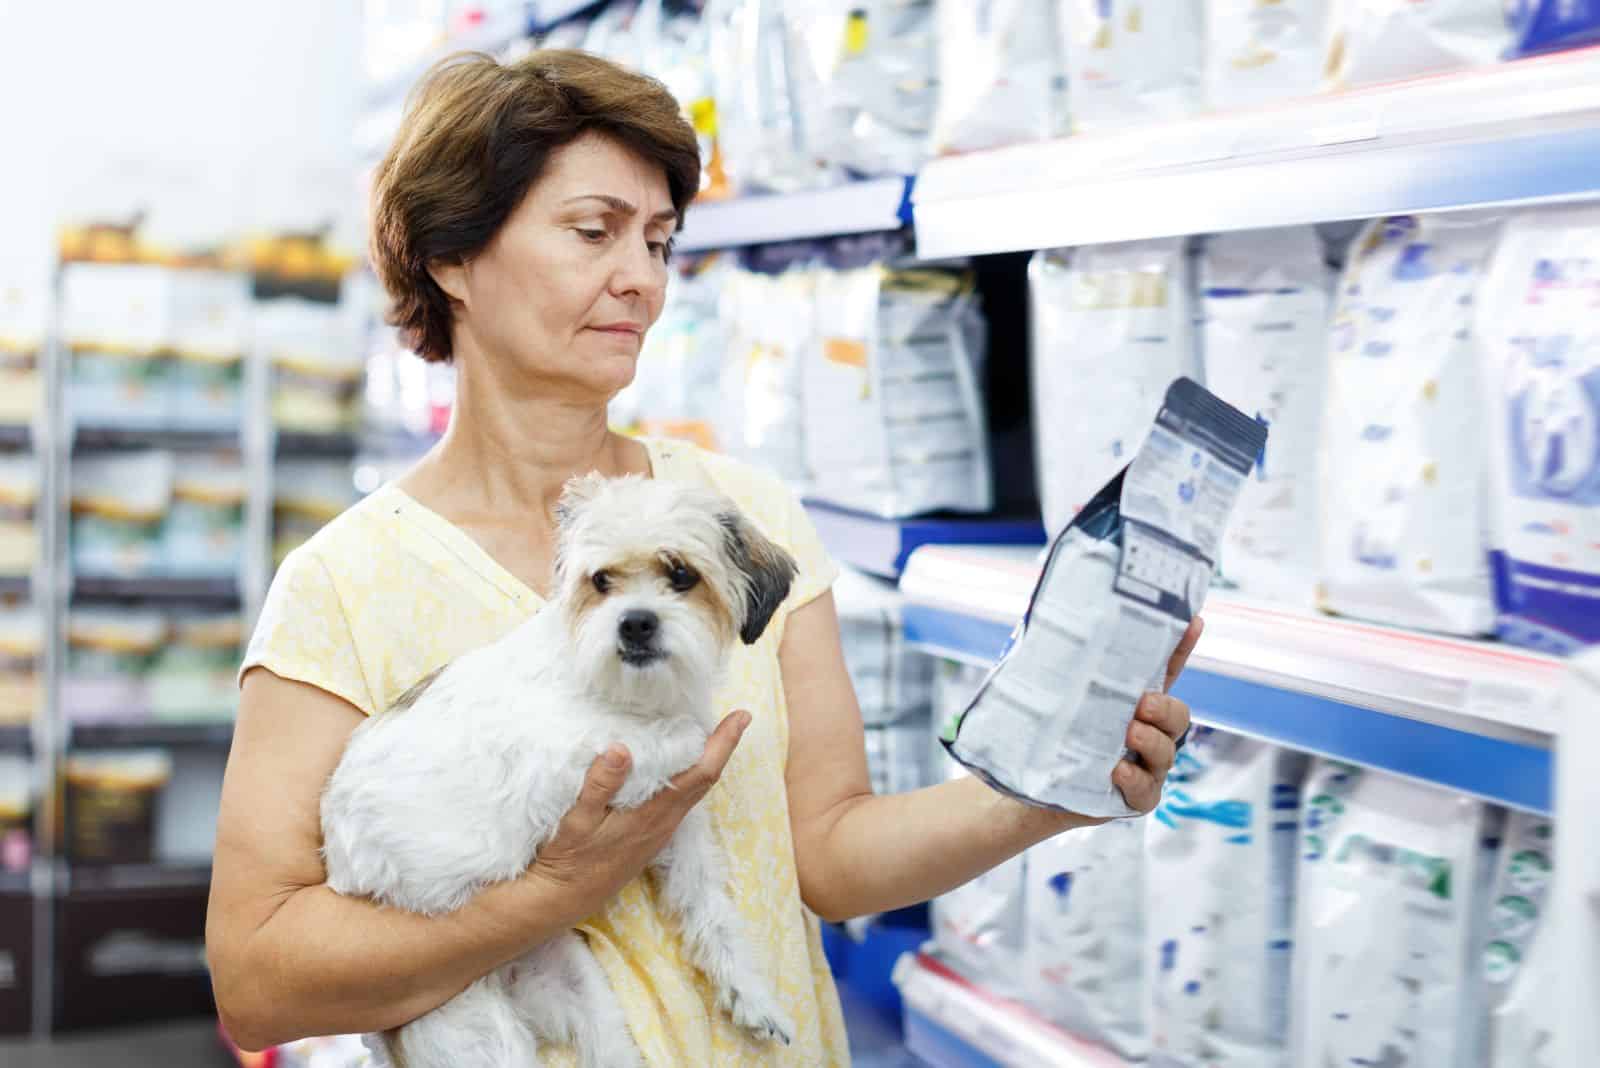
390	591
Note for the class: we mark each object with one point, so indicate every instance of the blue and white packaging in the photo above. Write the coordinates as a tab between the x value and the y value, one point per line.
1552	25
1401	476
1083	933
1118	589
1112	326
1264	297
1372	41
1519	969
1539	344
1393	880
1261	53
1220	899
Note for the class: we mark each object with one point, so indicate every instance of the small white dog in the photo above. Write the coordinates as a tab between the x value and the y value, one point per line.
463	780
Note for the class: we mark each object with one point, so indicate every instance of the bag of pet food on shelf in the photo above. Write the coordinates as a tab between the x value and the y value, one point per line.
1264	297
1119	588
1083	933
1220	897
24	323
894	417
1519	970
1112	326
869	81
316	363
116	320
1001	79
1393	881
110	657
676	390
119	505
1552	25
19	501
1389	40
1263	51
194	679
1402	510
892	680
211	328
21	663
204	533
1130	60
1539	352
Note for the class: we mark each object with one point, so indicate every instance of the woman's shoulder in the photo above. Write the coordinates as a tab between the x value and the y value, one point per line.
756	491
351	532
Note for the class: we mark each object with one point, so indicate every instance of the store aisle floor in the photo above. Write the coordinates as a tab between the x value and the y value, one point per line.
186	1045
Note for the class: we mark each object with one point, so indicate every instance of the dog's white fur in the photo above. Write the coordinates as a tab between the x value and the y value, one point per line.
466	777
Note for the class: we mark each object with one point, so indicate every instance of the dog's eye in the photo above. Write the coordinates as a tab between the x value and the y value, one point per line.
601	580
681	578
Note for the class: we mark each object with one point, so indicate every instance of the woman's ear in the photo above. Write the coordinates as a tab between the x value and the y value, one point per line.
450	276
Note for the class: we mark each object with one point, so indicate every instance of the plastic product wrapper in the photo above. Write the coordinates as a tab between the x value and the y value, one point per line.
1539	347
676	390
316	364
1551	25
1389	40
1118	590
1084	930
211	330
21	663
194	678
19	505
1262	51
1001	78
1403	512
1130	60
1518	966
1393	881
1112	326
110	657
119	505
1264	297
1221	852
868	71
203	536
681	58
894	418
892	680
769	321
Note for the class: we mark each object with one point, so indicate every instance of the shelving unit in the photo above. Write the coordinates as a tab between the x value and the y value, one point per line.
15	738
217	735
882	546
15	438
160	589
856	208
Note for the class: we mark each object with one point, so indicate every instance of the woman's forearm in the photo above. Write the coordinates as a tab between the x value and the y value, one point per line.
327	964
879	853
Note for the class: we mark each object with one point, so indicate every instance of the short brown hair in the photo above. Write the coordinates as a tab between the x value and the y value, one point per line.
476	135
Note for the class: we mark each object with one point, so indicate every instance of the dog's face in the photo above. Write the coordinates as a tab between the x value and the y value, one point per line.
656	581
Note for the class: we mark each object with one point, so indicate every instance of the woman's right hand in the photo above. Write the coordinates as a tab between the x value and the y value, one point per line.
597	849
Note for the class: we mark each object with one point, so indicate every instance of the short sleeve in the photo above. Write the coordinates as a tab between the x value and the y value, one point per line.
304	633
818	572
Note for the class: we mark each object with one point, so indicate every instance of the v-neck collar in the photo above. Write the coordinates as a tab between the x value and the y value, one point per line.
465	548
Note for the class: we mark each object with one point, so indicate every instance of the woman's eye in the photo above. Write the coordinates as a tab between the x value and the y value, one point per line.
662	250
681	578
601	580
594	237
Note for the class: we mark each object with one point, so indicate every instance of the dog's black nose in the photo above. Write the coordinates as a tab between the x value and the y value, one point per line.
639	626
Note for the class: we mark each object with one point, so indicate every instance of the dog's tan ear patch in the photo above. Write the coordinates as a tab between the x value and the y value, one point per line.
575	494
768	570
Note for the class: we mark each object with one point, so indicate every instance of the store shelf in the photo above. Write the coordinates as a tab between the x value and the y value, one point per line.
108	439
953	1023
15	738
15	586
857	208
549	12
297	444
15	882
882	546
217	591
15	438
1518	133
103	877
1472	716
136	735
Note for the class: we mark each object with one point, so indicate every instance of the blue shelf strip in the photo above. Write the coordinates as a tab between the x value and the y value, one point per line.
881	546
1508	772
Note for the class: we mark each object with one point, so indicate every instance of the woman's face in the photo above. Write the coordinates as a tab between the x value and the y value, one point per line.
566	290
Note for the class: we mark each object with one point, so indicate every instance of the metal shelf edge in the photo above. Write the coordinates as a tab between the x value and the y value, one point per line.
882	546
870	206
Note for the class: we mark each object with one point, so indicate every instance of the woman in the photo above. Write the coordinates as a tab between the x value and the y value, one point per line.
522	225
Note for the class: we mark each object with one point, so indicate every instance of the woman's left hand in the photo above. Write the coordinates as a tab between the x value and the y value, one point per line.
1158	723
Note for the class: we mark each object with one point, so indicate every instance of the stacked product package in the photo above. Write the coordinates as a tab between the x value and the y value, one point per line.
24	323
893	683
19	502
1130	60
21	663
16	813
1001	80
140	514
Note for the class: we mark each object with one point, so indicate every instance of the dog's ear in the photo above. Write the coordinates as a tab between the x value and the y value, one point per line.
578	491
767	569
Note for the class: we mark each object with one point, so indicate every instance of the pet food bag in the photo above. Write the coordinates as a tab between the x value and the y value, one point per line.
1112	326
1393	877
1130	60
116	320
1001	78
1264	297
1389	40
869	81
1551	25
211	329
1539	351
119	505
1117	592
193	678
892	680
111	656
1262	51
111	804
316	364
1083	933
24	324
19	502
204	533
1523	990
1401	474
1220	897
769	318
21	663
676	390
307	495
894	418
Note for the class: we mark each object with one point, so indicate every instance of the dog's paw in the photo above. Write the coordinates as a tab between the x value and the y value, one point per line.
755	1010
